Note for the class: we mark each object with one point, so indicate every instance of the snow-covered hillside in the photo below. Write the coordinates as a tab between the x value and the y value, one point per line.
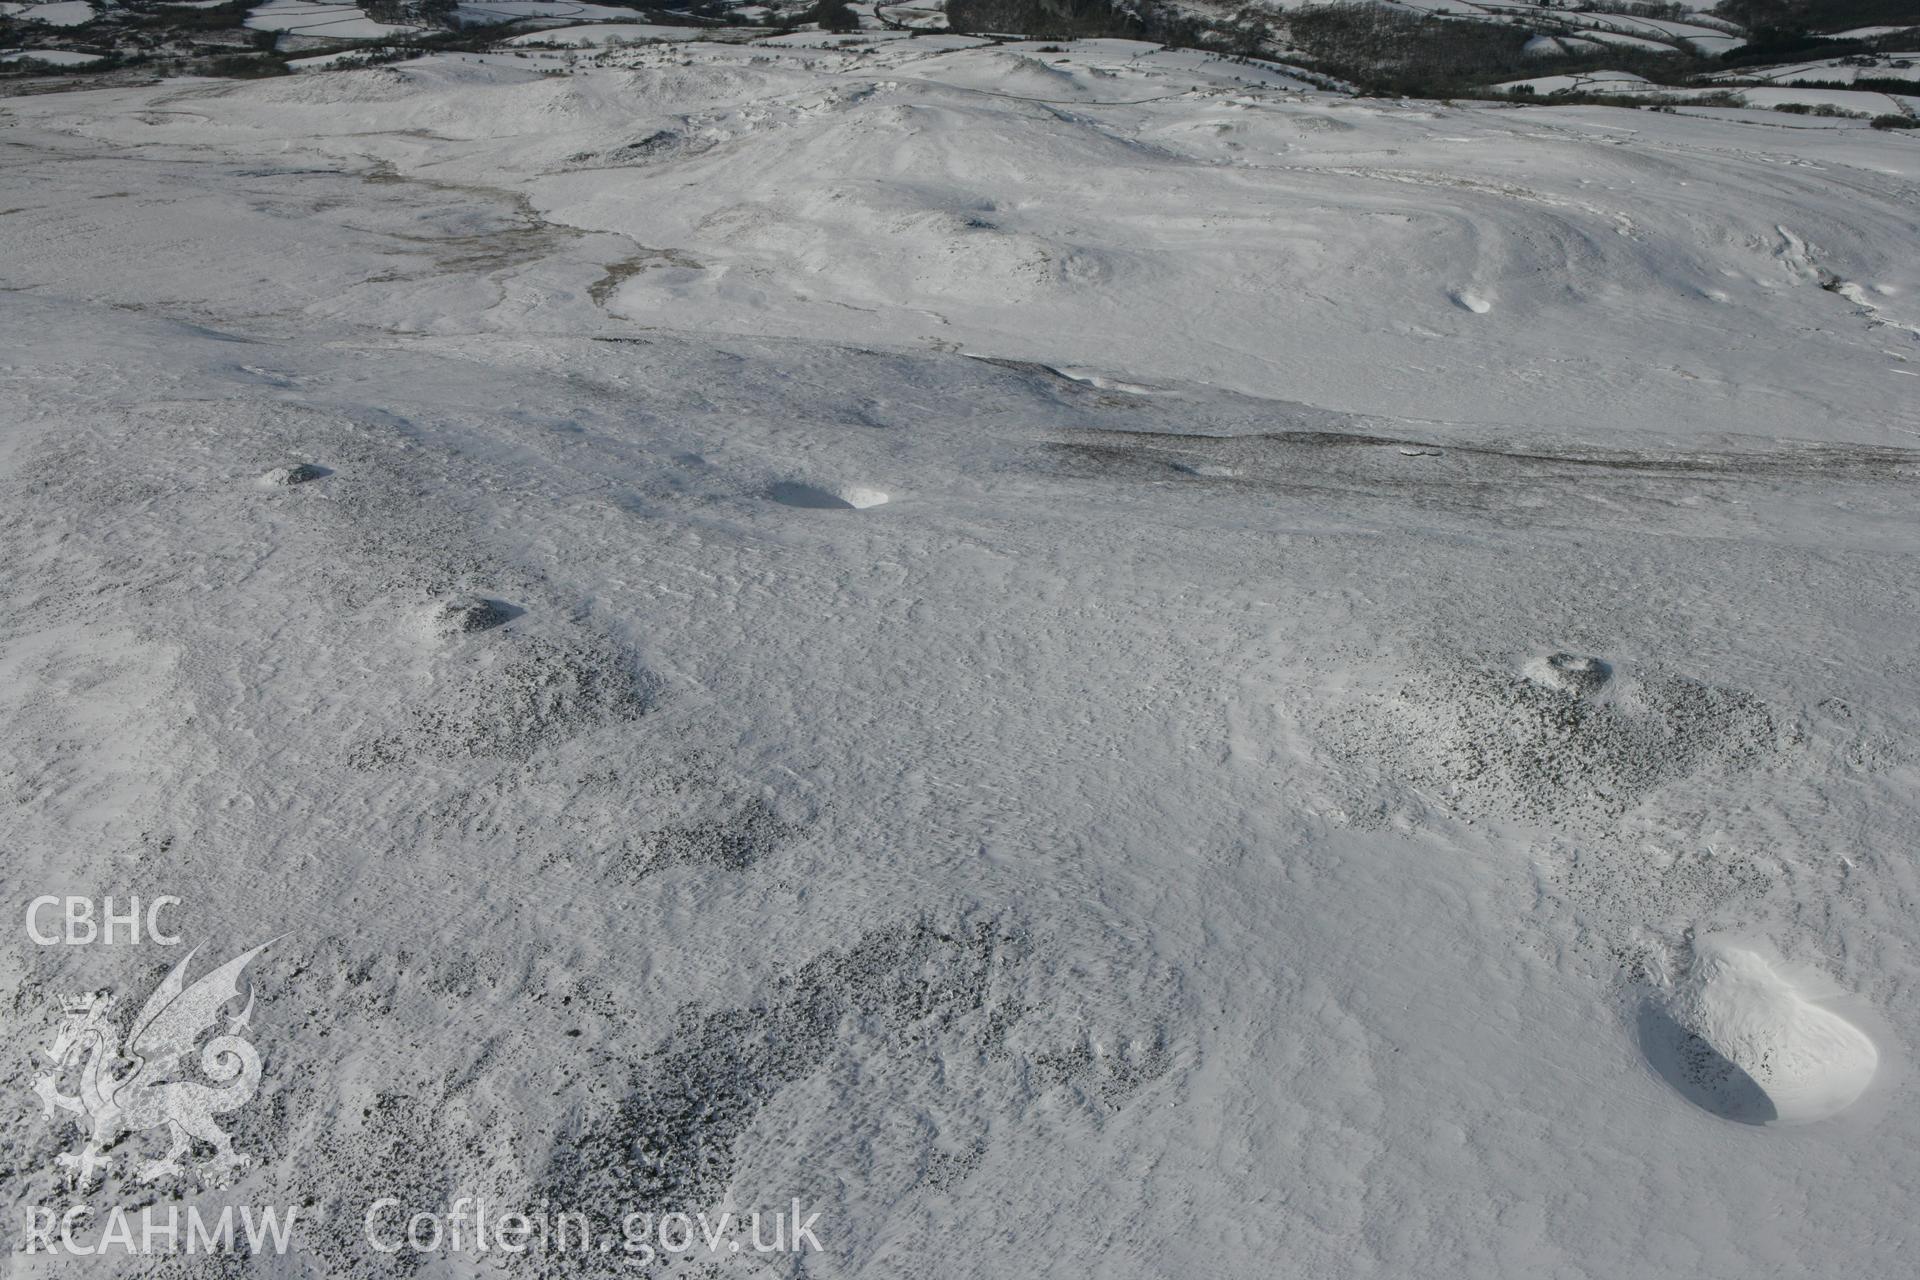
1080	658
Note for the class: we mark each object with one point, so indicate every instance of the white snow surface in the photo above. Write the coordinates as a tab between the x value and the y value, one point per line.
60	13
52	57
1088	662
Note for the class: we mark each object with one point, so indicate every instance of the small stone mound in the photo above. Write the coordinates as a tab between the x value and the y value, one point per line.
1544	747
515	698
734	843
1741	1039
1570	673
793	493
459	617
296	473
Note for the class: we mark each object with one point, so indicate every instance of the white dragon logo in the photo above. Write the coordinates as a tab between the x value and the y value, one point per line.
142	1088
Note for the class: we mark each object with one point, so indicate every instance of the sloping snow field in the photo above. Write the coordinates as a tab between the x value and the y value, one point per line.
1083	661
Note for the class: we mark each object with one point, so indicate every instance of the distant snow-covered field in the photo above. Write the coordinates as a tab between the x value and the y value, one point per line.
1080	658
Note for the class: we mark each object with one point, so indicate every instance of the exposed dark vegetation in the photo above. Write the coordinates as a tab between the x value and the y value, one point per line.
1384	50
1801	47
833	15
243	66
1450	57
1790	30
1825	109
1398	51
149	38
1770	19
1873	84
1050	19
1378	48
187	22
1653	102
422	13
1395	51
